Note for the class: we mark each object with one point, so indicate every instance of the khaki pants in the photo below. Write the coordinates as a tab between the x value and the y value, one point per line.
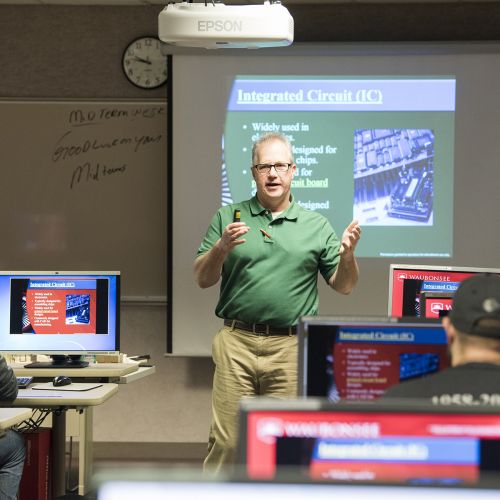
246	364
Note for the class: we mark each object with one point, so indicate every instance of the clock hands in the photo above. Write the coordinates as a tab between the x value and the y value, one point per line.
145	61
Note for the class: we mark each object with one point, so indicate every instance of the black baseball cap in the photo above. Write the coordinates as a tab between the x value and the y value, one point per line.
477	298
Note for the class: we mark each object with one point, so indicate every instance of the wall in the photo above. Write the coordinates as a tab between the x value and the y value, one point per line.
173	405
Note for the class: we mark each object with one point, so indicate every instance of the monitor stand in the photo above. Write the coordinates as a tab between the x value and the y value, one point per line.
60	361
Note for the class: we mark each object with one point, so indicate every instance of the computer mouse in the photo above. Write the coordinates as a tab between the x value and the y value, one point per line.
61	380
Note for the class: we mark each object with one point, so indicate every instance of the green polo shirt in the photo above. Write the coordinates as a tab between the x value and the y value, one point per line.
273	280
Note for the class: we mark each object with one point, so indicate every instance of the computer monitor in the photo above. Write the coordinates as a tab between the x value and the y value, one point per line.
358	359
406	443
408	282
184	488
61	314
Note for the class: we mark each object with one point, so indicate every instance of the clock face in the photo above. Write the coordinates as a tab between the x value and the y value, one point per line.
144	63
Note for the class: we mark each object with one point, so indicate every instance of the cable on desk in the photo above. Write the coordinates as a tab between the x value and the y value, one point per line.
38	416
69	488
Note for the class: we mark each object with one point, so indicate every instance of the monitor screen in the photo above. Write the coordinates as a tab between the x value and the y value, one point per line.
59	313
358	359
435	304
409	444
408	282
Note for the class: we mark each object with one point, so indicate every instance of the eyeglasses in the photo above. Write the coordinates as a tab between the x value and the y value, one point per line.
265	168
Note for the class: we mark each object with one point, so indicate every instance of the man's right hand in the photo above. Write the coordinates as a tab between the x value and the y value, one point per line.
230	236
208	267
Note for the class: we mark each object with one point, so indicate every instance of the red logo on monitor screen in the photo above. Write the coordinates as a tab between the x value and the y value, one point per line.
268	429
436	307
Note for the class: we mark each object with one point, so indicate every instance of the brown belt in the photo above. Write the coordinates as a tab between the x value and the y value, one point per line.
260	328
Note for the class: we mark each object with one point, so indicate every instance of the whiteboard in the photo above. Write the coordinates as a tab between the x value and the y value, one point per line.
84	188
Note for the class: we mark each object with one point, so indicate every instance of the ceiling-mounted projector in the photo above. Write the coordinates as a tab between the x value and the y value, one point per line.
213	25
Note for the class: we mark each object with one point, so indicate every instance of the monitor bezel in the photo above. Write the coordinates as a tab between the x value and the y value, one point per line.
313	404
189	482
432	268
65	352
369	321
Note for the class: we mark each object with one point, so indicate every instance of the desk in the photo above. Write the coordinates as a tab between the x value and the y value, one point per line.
94	370
13	416
59	402
119	373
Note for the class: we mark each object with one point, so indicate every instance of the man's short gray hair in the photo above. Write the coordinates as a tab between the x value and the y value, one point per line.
272	136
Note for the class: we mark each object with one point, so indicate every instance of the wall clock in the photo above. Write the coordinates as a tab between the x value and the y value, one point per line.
144	63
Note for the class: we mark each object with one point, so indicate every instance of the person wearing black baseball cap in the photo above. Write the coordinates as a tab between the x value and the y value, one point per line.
473	332
476	306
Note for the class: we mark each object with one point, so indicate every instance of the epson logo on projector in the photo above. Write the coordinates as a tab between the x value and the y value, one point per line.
220	26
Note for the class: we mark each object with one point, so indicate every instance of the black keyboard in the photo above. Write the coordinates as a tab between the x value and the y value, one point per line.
23	382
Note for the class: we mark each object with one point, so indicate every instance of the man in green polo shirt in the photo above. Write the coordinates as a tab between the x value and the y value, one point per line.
268	264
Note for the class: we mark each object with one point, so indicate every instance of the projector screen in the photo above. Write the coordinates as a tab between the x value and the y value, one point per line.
400	137
378	149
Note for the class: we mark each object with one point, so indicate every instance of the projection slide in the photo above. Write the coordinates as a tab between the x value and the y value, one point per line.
376	149
60	306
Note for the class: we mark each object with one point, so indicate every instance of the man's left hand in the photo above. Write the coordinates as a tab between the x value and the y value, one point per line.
350	238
